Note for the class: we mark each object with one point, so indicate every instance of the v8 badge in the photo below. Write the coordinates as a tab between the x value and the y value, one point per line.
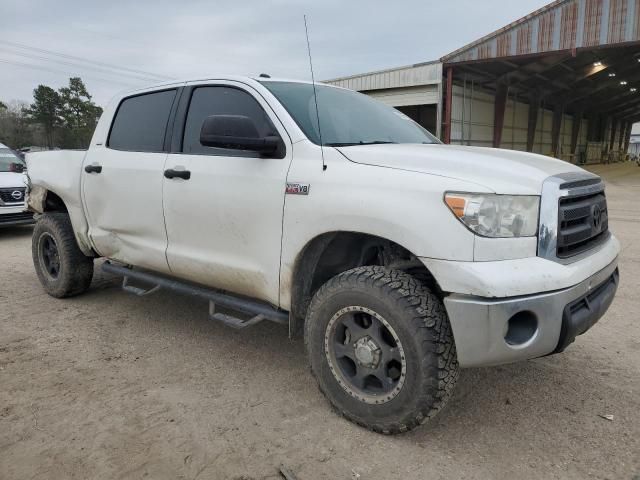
297	188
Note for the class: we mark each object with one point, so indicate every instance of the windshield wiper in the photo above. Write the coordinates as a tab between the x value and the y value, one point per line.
351	144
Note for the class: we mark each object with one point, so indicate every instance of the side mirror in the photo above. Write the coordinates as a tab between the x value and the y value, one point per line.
236	132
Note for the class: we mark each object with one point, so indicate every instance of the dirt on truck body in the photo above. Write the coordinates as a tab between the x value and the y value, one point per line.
108	385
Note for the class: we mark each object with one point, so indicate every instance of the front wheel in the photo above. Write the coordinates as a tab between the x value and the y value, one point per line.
381	348
62	268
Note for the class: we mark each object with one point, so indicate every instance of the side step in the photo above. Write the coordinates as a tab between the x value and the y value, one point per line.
260	311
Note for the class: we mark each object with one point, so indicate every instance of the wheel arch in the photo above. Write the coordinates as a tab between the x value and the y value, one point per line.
42	199
332	253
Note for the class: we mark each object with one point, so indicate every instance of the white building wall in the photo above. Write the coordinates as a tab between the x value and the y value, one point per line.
514	133
471	117
403	97
409	76
473	124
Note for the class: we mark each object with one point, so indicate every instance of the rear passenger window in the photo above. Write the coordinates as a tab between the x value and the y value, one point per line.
207	101
141	122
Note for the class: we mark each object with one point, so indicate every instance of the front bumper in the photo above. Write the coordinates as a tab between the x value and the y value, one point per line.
519	277
15	215
491	331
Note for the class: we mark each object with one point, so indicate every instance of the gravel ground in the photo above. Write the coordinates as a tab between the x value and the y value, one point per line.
108	385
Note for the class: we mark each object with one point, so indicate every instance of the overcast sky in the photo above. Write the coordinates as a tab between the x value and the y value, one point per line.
183	39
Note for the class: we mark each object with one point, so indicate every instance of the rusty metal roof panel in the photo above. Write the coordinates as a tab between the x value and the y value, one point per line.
561	25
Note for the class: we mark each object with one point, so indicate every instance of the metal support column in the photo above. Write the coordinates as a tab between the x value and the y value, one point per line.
614	126
575	131
625	128
602	128
498	113
627	139
448	101
534	103
558	111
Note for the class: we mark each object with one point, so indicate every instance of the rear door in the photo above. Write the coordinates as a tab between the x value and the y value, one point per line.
122	182
224	223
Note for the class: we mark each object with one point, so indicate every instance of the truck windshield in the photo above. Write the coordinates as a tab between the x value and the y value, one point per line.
346	117
10	162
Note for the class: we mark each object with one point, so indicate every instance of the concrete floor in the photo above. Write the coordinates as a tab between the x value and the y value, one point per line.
108	385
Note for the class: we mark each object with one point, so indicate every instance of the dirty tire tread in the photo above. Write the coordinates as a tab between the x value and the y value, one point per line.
76	269
428	323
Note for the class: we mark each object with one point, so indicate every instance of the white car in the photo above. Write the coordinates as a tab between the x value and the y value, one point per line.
12	189
402	259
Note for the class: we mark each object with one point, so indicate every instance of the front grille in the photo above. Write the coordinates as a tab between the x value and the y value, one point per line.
20	217
8	195
582	223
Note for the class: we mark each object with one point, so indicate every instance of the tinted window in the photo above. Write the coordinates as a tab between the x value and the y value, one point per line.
346	117
207	101
141	122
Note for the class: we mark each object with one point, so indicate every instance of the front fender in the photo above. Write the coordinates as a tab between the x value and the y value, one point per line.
406	208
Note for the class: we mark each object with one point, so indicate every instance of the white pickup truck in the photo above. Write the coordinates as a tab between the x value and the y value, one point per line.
402	259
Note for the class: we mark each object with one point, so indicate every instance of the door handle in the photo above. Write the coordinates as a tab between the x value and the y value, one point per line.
171	173
93	169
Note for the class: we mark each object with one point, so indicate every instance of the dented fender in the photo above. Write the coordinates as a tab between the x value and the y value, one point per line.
35	198
58	172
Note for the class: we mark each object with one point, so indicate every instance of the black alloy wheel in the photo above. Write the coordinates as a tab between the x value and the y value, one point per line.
49	255
365	355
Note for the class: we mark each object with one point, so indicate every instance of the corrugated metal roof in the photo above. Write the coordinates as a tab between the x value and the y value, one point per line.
561	25
408	76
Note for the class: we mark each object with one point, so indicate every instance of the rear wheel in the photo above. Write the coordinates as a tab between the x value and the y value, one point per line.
63	270
381	348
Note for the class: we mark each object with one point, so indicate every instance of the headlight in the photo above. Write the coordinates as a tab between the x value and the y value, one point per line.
496	216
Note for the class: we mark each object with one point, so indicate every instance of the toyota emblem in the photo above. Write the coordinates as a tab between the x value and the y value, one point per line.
16	195
597	217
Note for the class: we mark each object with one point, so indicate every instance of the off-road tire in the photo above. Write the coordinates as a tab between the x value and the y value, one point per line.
421	324
75	268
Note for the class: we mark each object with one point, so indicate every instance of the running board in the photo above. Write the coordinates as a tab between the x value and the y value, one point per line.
259	311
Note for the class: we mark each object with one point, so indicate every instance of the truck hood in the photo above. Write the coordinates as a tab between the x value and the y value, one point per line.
12	180
500	171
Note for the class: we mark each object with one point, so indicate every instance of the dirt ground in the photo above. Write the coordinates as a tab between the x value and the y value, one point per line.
109	385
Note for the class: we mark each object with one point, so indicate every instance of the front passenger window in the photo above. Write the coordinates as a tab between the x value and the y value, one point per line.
207	101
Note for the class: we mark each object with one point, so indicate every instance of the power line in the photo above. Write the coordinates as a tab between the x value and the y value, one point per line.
74	64
51	70
85	60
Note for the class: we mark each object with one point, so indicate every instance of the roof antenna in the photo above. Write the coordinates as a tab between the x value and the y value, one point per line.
315	94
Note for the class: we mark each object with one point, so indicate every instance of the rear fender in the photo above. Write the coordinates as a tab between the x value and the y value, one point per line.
58	172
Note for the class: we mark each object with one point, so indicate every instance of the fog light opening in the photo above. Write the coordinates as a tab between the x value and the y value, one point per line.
522	327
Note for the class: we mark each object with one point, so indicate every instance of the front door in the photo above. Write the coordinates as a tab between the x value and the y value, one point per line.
224	222
122	183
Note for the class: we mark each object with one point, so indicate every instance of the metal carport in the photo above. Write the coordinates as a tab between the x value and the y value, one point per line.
563	81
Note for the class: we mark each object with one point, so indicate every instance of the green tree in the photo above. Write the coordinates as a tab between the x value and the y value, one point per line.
3	106
16	130
66	117
78	114
45	110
